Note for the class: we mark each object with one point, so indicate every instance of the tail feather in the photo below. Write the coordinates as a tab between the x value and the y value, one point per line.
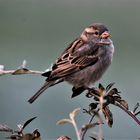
40	91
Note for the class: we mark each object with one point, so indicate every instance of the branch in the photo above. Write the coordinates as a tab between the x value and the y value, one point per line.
20	70
85	131
131	114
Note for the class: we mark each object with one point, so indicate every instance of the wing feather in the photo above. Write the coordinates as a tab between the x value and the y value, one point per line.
75	58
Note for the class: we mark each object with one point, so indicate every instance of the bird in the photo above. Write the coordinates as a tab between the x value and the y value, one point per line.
83	62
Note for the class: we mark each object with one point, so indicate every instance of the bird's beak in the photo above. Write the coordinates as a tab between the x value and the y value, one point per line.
105	35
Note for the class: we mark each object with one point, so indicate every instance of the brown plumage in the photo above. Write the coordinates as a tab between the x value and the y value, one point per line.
83	62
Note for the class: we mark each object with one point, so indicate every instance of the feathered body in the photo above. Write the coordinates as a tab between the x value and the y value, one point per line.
83	62
91	74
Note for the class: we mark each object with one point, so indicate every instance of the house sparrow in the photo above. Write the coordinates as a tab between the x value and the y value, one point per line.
83	62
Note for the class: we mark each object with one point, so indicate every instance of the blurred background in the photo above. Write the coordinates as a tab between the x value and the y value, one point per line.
38	31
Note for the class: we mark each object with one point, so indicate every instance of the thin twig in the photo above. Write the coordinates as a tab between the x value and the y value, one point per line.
20	70
100	134
4	72
84	132
76	129
133	116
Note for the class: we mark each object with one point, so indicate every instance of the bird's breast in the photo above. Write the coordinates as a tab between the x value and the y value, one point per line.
91	74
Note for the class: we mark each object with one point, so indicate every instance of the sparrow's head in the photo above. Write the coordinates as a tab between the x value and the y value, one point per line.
97	33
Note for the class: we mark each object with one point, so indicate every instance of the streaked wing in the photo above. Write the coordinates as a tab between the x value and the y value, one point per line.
73	59
73	66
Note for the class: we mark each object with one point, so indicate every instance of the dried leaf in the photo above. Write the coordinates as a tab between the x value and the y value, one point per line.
108	116
117	98
89	126
74	113
93	92
93	106
109	99
93	138
21	71
64	121
27	122
36	133
89	95
114	91
109	86
124	104
137	113
101	87
136	107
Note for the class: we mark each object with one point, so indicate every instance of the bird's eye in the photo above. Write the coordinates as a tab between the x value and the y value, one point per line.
96	33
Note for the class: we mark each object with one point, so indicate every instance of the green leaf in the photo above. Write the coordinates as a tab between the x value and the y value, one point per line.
64	121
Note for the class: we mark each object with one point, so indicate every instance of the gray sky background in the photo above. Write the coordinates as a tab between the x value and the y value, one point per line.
38	31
